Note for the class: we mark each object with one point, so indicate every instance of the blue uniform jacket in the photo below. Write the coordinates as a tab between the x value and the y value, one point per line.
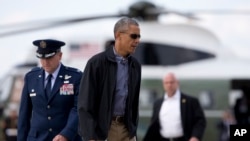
41	118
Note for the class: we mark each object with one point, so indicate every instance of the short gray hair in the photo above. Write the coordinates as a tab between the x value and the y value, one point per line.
124	23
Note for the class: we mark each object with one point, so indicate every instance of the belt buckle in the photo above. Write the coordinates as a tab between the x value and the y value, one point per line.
117	119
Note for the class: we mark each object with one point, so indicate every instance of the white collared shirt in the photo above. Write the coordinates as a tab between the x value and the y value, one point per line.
170	116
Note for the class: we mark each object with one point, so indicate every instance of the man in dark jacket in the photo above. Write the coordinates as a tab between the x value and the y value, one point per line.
176	116
109	89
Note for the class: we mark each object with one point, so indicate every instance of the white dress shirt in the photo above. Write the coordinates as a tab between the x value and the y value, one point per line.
170	116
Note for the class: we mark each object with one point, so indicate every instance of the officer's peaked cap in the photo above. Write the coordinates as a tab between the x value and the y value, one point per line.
47	48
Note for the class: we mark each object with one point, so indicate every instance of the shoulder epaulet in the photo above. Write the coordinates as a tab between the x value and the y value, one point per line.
36	69
73	69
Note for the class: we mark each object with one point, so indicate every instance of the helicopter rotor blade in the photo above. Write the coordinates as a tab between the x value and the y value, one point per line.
45	25
191	15
221	12
159	11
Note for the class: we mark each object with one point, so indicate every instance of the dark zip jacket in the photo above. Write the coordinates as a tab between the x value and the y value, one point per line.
97	92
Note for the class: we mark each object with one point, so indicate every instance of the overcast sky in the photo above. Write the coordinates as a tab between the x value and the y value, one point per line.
232	30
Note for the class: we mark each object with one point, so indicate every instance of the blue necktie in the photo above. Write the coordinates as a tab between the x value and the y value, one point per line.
48	86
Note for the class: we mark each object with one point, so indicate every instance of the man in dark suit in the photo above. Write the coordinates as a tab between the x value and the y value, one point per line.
176	116
48	109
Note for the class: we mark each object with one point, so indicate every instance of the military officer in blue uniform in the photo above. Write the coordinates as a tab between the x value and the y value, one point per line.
48	109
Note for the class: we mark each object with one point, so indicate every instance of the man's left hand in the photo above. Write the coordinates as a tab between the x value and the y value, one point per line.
193	139
59	138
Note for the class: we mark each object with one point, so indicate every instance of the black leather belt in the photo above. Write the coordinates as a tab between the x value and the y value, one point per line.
119	119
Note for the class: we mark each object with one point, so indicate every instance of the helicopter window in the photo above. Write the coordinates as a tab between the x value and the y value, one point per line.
160	54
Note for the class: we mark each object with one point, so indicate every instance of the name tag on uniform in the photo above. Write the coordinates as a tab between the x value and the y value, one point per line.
32	94
67	89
